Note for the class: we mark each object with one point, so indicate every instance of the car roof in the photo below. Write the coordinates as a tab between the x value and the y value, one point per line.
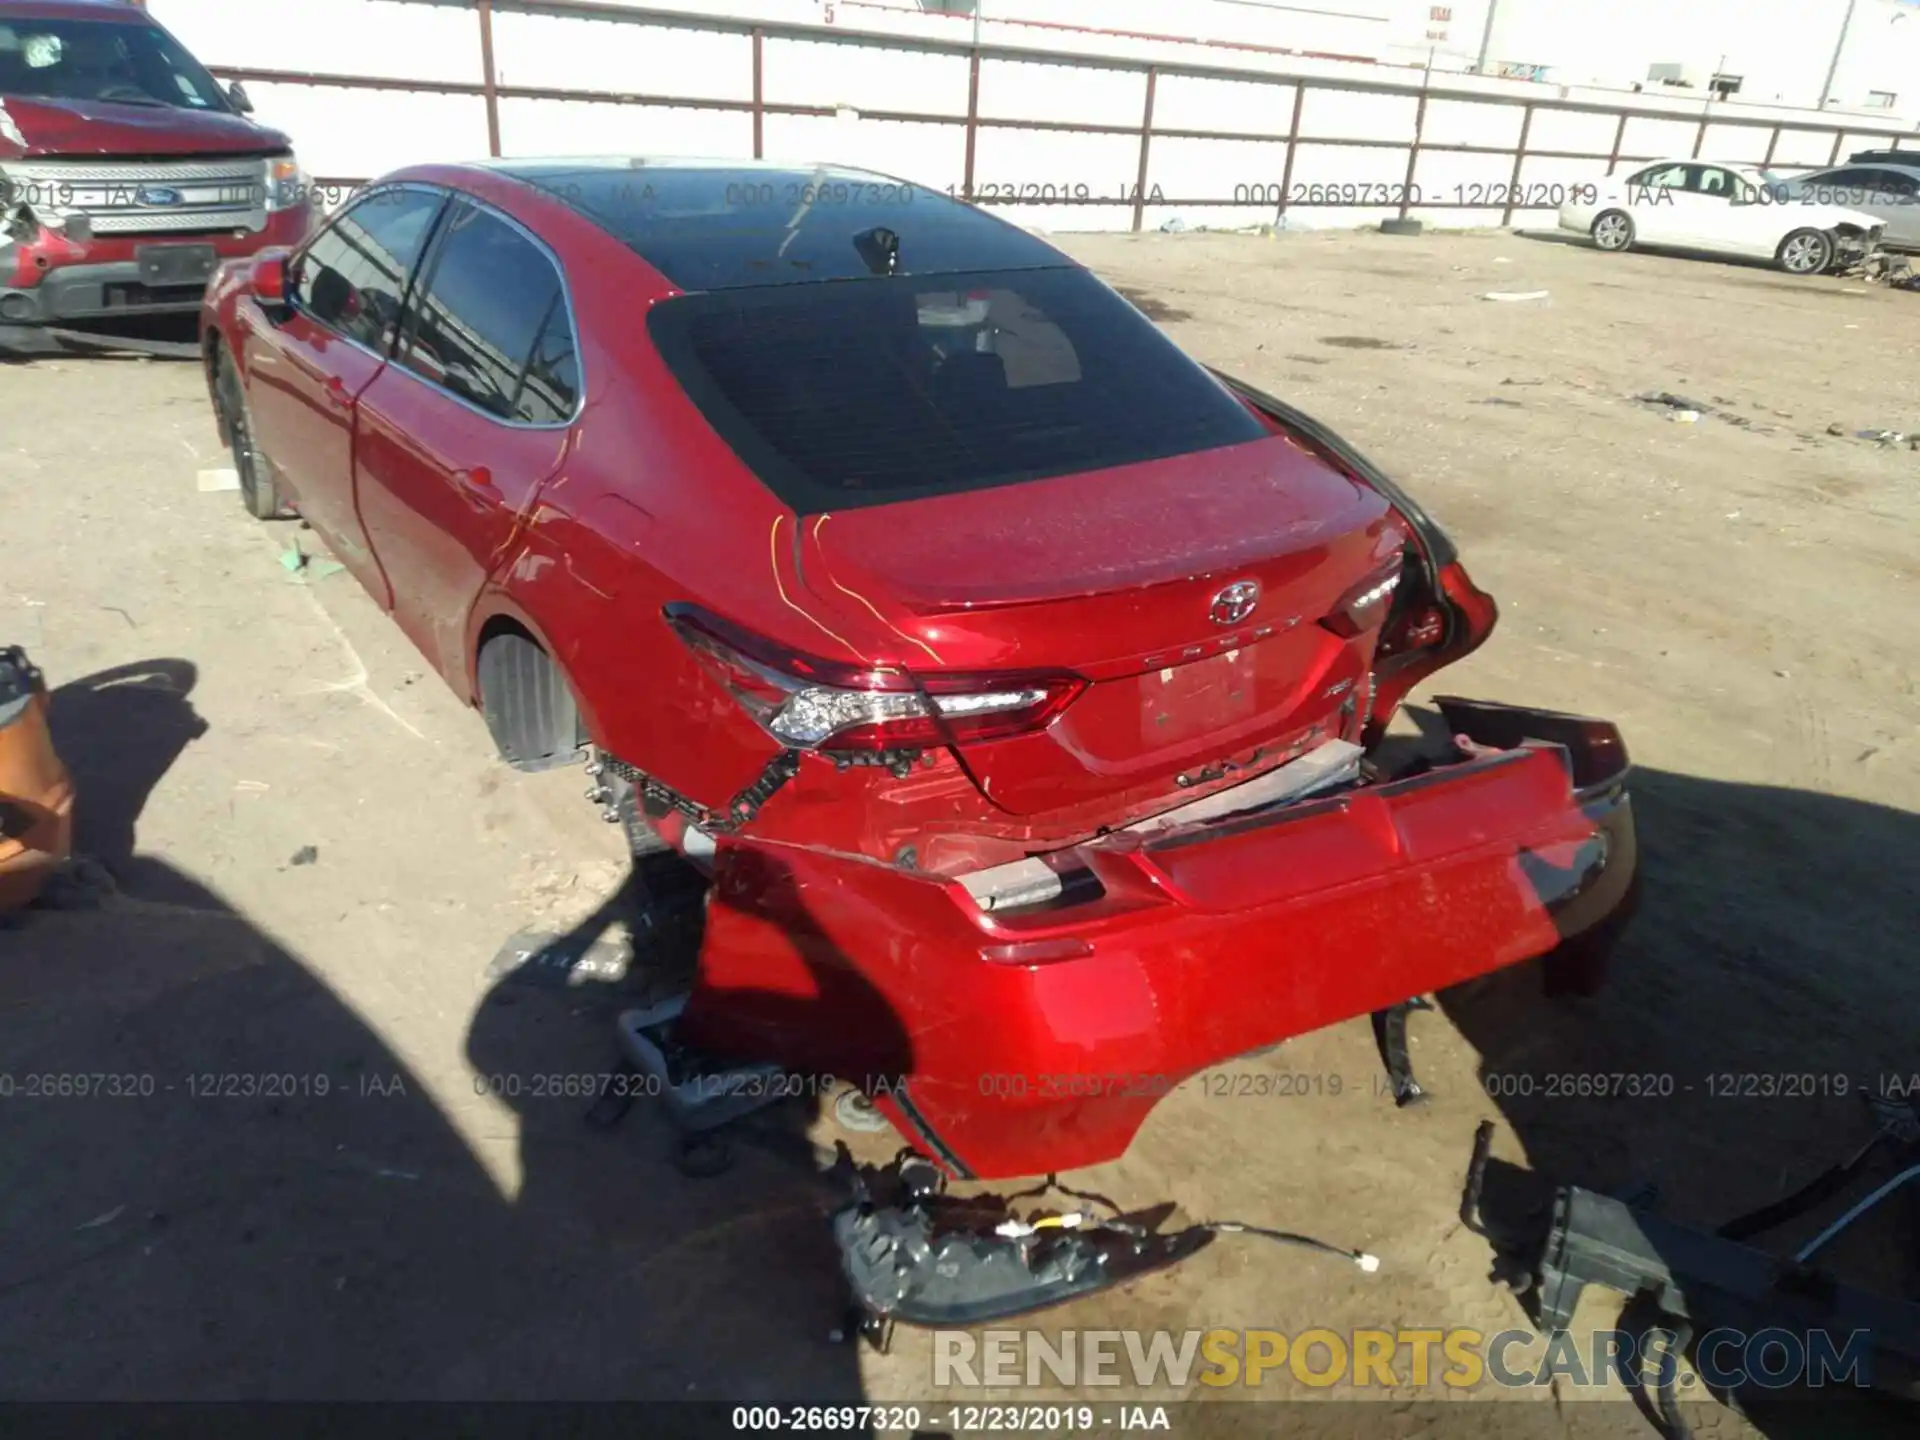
1742	165
726	224
1913	169
73	10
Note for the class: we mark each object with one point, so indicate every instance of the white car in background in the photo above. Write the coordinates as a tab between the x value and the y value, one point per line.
1725	210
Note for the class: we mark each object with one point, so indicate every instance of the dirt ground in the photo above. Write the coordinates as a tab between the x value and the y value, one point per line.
318	856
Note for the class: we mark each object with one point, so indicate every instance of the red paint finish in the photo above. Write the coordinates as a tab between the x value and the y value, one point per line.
1200	952
62	128
304	383
838	938
440	497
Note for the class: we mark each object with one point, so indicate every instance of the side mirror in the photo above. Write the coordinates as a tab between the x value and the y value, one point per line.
237	97
271	281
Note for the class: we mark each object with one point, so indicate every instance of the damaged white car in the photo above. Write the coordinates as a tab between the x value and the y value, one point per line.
1740	210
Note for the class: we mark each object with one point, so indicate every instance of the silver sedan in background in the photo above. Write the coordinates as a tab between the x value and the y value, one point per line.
1889	193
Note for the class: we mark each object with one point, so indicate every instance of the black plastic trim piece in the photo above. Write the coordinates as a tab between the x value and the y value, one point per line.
959	1168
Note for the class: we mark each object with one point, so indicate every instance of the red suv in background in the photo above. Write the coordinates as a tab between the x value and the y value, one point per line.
127	172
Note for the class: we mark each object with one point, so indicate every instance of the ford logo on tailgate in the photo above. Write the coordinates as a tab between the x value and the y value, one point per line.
156	196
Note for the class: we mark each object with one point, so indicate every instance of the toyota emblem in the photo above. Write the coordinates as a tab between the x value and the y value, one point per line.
1235	603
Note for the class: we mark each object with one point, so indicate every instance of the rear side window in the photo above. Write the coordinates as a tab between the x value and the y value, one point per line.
353	277
493	327
861	392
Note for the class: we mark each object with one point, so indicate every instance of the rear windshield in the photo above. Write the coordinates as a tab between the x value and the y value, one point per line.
131	64
860	392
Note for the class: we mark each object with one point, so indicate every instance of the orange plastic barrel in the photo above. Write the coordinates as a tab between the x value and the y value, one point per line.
36	793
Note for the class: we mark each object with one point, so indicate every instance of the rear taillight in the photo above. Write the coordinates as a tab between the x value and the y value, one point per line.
1366	605
811	704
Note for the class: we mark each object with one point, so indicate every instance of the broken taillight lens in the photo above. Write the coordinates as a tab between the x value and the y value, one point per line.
811	704
1366	606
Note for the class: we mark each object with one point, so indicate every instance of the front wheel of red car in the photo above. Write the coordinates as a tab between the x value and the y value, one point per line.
258	492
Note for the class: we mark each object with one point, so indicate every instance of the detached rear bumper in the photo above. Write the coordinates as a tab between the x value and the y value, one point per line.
1024	1043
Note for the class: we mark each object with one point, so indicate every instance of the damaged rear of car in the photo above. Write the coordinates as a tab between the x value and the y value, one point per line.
1021	685
1069	775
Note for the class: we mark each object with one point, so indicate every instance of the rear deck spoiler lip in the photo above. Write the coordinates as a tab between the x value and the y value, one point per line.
1441	551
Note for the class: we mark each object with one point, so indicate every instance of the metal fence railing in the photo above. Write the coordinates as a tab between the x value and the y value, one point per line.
1283	193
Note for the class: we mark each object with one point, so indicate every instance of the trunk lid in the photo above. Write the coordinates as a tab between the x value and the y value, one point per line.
1186	591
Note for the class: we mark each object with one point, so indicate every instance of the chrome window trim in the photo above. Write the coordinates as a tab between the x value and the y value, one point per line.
566	297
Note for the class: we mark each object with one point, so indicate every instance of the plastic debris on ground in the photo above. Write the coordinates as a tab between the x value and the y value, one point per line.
303	568
211	481
1516	295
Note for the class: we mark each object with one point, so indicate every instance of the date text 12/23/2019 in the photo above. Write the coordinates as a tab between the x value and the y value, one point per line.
949	1419
1491	196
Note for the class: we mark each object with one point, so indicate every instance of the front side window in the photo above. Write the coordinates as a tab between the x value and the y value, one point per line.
1661	177
353	276
102	60
862	392
493	326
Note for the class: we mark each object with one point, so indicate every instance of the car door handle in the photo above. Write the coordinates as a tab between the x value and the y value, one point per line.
336	392
478	478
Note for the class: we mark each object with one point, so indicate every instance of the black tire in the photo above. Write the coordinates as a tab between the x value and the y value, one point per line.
1613	230
1805	252
1402	227
258	490
527	704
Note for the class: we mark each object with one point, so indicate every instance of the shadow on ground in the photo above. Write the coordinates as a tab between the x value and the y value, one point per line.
222	1183
1763	991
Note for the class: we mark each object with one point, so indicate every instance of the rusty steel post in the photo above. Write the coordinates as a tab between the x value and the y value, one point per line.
1519	158
759	93
489	81
973	124
1293	145
1413	151
1146	143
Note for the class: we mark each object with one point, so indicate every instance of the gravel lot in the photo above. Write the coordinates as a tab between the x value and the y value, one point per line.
1738	593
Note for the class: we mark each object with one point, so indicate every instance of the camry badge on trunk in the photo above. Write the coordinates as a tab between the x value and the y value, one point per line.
1236	602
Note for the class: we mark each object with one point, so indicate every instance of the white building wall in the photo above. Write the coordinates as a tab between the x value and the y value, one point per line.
1780	48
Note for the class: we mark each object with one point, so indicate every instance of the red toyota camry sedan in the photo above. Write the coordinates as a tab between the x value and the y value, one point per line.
1020	685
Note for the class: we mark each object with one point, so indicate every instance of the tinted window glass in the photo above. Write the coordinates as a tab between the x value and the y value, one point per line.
708	228
865	391
552	382
1662	177
493	326
353	277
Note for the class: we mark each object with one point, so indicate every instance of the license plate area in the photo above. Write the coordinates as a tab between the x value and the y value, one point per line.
176	264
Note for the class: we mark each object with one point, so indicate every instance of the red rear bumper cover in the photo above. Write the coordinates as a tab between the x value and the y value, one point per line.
1038	1043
